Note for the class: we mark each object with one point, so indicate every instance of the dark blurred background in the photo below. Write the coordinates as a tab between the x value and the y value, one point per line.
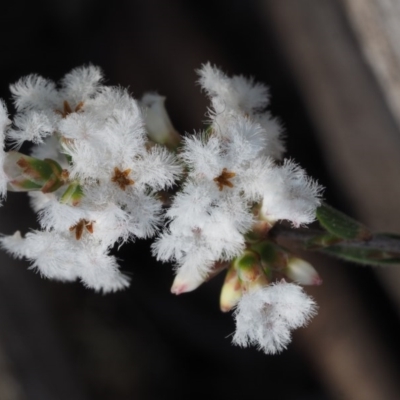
334	74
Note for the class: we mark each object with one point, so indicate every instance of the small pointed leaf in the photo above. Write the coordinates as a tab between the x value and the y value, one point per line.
341	225
373	257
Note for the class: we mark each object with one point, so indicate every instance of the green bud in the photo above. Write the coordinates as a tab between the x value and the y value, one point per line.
272	256
27	173
73	195
248	266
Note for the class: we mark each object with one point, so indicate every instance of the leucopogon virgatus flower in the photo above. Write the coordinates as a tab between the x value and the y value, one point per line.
102	181
105	169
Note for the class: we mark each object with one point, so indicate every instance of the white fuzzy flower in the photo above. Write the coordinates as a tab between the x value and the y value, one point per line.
274	134
104	189
33	126
81	83
241	96
230	167
62	257
4	123
206	226
288	193
100	271
34	92
266	317
104	175
52	255
237	94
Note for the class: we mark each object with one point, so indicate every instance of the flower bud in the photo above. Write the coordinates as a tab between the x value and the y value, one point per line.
248	266
185	281
302	272
73	195
272	256
158	123
231	290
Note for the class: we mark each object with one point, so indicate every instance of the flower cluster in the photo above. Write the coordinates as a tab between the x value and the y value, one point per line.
99	173
235	183
230	168
105	191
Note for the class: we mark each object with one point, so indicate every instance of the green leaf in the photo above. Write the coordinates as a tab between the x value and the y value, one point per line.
395	236
340	225
374	257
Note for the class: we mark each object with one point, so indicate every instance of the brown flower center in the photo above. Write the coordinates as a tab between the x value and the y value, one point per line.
68	110
224	179
121	178
80	227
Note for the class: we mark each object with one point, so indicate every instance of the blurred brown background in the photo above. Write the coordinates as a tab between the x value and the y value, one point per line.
333	67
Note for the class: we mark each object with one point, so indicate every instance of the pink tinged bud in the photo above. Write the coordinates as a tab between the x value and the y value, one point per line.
185	281
231	291
157	121
302	272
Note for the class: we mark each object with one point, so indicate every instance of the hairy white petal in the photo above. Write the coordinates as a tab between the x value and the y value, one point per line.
203	156
100	272
34	92
202	232
53	255
33	126
38	200
14	244
290	194
144	212
81	83
244	139
274	135
266	317
60	217
158	169
238	93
